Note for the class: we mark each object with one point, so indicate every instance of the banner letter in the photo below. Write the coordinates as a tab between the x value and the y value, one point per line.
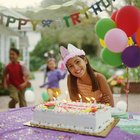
75	18
34	23
96	7
67	20
10	20
22	22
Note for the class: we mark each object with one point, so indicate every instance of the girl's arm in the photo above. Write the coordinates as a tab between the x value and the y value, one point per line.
107	96
62	74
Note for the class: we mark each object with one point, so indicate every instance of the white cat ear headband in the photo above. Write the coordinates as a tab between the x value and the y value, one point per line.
70	52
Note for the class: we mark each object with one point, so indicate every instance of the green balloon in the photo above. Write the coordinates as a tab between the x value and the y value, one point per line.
45	96
103	26
111	58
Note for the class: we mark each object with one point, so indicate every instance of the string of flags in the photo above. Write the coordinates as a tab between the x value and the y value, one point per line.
73	19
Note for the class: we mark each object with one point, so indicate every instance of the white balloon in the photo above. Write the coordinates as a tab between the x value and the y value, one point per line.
29	96
121	105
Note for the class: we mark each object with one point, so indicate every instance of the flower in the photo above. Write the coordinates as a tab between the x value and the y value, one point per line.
116	80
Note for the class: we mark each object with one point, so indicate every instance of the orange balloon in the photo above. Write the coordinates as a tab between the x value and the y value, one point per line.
138	37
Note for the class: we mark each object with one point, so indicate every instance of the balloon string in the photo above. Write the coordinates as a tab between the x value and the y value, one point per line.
127	87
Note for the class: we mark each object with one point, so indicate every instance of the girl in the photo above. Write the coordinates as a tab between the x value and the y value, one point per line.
53	75
84	83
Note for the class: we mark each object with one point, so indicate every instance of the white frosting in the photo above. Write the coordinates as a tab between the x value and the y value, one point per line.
73	116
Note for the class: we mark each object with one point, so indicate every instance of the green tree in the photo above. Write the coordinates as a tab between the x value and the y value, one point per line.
37	57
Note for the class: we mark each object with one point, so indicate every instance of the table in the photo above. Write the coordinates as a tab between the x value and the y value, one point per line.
12	128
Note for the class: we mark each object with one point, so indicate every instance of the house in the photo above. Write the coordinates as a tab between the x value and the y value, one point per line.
10	36
7	38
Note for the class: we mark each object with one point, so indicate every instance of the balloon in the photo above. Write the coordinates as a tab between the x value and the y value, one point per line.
138	37
45	96
29	95
134	38
130	41
116	40
113	59
102	43
113	16
131	56
121	105
104	25
127	19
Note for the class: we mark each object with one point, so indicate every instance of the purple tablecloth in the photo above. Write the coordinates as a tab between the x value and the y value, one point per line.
12	128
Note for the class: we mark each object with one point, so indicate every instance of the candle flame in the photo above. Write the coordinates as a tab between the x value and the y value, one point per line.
57	93
79	96
93	98
88	99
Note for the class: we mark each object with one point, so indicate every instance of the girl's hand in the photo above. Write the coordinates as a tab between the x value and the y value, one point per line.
97	95
23	85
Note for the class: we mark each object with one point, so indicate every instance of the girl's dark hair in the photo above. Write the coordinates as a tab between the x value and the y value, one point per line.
73	80
15	50
50	59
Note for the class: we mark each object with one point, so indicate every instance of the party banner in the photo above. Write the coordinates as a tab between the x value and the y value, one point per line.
73	19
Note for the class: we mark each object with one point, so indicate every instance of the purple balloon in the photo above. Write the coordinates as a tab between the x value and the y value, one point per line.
131	56
134	38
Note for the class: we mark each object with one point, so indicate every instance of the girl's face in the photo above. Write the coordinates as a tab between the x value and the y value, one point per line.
77	66
51	64
13	56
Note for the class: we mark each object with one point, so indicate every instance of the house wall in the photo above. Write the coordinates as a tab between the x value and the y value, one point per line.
4	48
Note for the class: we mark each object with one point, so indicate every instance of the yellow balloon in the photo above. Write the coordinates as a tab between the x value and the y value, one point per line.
102	43
130	41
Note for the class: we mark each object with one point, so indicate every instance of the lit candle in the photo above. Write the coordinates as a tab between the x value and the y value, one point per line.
94	100
57	94
88	99
80	98
54	98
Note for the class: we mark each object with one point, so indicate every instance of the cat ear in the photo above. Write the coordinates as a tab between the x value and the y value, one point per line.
71	52
64	52
72	48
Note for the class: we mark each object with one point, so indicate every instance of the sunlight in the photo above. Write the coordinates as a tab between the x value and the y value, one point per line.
19	4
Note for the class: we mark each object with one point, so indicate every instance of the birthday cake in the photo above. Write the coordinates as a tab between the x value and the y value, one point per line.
76	116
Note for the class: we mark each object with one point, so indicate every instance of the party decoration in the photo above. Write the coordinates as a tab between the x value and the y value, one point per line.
130	41
113	59
74	18
104	25
113	16
53	7
98	6
134	37
116	40
45	96
29	95
102	43
137	36
121	105
127	19
131	56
